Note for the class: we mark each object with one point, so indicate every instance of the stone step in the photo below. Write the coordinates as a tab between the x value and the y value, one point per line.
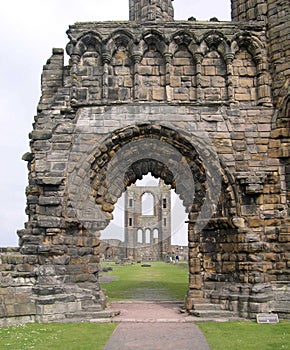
87	315
213	314
209	310
207	306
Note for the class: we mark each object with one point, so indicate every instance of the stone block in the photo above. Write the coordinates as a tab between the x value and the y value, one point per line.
175	81
209	71
49	201
189	70
158	93
195	281
50	222
179	61
145	70
255	222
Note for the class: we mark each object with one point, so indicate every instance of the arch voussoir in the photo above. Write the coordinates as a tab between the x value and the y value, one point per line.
168	150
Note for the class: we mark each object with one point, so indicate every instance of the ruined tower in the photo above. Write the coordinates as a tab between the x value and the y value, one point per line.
204	106
148	234
151	10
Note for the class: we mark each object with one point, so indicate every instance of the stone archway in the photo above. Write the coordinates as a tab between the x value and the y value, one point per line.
131	99
129	153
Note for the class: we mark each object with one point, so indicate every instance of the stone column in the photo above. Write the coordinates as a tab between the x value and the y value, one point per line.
136	58
195	293
106	58
74	74
263	83
168	63
198	59
229	62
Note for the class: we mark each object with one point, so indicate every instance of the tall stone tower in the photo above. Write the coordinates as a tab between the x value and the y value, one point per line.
151	10
275	14
204	106
148	234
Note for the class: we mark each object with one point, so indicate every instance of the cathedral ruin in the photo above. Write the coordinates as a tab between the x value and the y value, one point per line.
205	107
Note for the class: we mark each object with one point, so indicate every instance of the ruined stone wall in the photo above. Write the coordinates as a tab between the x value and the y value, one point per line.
246	11
18	276
192	104
276	17
279	48
199	65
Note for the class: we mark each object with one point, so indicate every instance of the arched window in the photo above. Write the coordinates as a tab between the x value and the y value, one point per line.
155	233
140	236
147	236
147	204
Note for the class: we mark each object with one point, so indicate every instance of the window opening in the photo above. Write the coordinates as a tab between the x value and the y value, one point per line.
155	233
147	204
164	203
140	236
147	236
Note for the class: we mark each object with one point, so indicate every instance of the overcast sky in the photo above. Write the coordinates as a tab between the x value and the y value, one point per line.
29	30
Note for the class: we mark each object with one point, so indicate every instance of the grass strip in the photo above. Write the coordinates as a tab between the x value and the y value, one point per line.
246	335
56	336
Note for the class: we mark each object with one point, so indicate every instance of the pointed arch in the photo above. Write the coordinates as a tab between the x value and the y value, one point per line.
120	71
183	77
120	38
184	37
90	41
214	76
156	38
152	68
216	41
253	48
250	42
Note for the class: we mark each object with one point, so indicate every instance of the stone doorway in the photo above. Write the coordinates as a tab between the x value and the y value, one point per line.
129	153
149	224
144	238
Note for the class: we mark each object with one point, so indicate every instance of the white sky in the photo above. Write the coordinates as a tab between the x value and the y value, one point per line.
29	30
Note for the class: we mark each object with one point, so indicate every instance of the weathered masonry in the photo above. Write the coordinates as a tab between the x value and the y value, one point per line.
205	106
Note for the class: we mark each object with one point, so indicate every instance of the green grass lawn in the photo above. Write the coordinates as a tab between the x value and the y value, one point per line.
134	281
87	336
246	335
161	281
54	336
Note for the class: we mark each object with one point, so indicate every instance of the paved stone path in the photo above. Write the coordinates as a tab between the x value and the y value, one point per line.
157	336
151	311
155	326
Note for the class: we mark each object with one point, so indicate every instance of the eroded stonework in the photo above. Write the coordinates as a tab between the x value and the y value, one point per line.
202	105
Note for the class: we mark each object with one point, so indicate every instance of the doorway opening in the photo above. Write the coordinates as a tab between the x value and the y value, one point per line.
146	245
